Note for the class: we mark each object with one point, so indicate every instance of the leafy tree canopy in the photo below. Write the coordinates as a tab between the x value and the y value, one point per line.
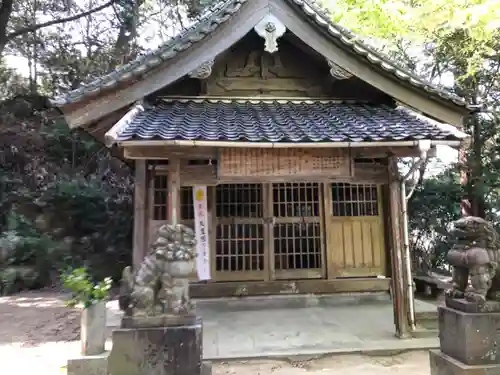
472	24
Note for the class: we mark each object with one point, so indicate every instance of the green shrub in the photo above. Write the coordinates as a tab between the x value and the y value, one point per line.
83	290
95	218
28	256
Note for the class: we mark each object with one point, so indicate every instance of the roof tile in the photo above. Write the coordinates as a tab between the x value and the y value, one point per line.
281	121
220	13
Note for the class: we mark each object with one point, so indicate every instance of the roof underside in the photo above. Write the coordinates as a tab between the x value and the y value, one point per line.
224	11
280	121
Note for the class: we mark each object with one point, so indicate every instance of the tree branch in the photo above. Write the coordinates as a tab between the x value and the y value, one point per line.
5	12
38	26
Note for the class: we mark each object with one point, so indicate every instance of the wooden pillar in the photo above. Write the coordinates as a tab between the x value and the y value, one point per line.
174	191
398	284
140	213
465	204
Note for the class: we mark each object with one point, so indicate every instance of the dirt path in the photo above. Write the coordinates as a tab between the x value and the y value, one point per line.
414	363
38	334
34	318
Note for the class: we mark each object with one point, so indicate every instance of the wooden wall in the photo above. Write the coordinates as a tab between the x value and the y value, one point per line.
295	70
350	223
247	70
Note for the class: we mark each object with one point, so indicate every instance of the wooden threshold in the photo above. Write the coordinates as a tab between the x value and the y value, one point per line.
263	288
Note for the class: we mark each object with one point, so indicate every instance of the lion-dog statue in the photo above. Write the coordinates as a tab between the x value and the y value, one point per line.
475	253
161	284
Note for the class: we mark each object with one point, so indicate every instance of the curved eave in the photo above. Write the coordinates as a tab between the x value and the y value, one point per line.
215	17
227	23
350	42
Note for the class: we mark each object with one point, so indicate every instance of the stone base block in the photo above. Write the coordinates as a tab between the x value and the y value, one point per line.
174	350
88	365
206	368
441	364
471	338
159	321
462	304
93	323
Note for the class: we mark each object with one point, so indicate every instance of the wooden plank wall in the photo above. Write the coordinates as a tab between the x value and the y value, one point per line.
355	244
355	240
190	175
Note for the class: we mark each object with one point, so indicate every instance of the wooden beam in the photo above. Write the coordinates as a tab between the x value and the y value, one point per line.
378	152
262	288
189	152
140	213
397	267
167	152
174	191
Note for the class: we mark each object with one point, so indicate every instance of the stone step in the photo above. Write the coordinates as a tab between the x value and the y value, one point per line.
421	332
427	319
292	301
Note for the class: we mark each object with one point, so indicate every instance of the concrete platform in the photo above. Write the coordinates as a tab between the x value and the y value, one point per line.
88	365
290	326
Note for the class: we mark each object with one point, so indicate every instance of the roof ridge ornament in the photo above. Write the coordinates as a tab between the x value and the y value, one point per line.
203	71
270	29
337	72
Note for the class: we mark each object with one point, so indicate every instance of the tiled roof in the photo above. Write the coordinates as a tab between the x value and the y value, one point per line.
223	11
208	23
280	121
356	45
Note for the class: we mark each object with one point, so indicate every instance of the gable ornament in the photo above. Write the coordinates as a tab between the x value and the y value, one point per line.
270	29
203	71
337	72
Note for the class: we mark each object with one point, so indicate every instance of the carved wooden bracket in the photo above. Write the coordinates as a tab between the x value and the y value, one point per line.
203	71
337	72
270	29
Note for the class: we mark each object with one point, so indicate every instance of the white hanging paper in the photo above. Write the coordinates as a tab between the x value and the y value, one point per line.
201	229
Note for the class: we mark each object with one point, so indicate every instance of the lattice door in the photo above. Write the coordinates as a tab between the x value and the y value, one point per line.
158	212
239	234
159	204
355	242
297	234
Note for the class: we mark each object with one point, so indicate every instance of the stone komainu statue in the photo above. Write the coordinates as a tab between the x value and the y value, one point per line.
475	253
161	284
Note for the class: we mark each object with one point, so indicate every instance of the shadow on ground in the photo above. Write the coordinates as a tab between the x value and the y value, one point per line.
34	318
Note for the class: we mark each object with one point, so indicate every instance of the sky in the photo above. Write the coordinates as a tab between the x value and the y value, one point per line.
150	37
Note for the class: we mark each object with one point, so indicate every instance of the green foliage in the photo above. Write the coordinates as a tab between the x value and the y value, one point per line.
62	204
95	217
27	255
436	22
11	82
83	290
433	207
65	146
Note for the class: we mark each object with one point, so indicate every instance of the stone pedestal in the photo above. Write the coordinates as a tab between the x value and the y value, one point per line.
88	365
469	339
93	329
163	345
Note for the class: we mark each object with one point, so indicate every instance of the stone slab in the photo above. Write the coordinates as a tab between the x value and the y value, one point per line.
461	304
93	325
160	351
473	339
206	368
330	328
88	365
441	364
159	321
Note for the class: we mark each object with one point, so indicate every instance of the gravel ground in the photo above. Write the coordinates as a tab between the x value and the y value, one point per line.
38	334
